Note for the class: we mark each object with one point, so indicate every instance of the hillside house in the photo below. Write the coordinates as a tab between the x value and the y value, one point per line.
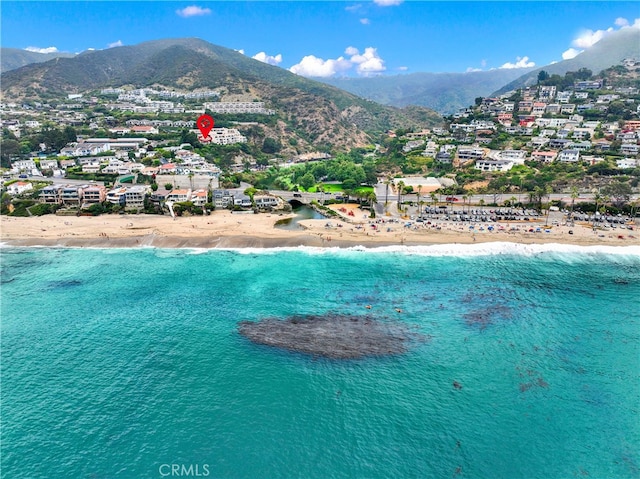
569	156
544	156
493	165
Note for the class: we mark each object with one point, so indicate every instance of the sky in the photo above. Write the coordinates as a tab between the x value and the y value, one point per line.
333	38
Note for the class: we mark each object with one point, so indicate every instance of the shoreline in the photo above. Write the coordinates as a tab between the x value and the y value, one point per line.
225	230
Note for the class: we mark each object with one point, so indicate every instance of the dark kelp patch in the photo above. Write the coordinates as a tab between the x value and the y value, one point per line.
333	336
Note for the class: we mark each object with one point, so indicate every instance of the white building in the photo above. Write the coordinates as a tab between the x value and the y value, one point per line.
19	187
238	107
224	136
493	165
516	156
627	163
569	156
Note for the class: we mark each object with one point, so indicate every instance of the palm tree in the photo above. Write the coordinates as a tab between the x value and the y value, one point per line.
372	199
597	197
465	197
574	195
503	189
418	193
434	197
400	191
547	192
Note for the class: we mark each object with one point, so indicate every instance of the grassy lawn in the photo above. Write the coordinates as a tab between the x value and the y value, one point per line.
333	188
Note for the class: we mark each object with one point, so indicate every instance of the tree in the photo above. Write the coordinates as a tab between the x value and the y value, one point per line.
620	192
190	137
307	181
270	145
542	76
400	187
168	186
372	199
349	184
574	196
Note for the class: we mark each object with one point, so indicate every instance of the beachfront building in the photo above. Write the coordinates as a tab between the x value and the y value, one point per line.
19	187
70	195
179	195
50	195
199	197
134	197
241	200
117	196
222	198
93	194
265	201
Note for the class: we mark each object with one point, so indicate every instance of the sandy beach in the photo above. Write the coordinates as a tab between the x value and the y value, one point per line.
224	229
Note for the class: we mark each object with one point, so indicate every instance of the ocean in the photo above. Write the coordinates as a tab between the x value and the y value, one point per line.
127	363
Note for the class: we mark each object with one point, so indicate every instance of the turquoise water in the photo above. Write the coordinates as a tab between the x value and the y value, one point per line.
121	363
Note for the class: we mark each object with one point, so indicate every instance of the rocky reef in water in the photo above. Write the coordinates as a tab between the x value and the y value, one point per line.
332	336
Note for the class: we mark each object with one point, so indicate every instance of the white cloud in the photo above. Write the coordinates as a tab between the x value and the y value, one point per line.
471	70
402	68
312	66
621	22
387	3
115	44
521	62
365	21
369	63
42	50
571	53
353	8
351	51
366	64
193	11
271	60
588	38
240	51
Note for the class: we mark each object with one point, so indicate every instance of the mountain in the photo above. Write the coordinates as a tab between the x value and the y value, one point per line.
610	51
445	93
12	58
320	114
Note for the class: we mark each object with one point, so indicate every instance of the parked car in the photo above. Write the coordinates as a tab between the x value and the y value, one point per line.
452	198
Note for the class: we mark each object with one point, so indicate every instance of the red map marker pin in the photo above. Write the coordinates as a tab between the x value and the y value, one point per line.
205	124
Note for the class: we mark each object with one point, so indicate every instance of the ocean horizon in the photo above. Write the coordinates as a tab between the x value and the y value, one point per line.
128	363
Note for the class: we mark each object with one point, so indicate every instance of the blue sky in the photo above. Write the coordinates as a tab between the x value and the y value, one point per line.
333	38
